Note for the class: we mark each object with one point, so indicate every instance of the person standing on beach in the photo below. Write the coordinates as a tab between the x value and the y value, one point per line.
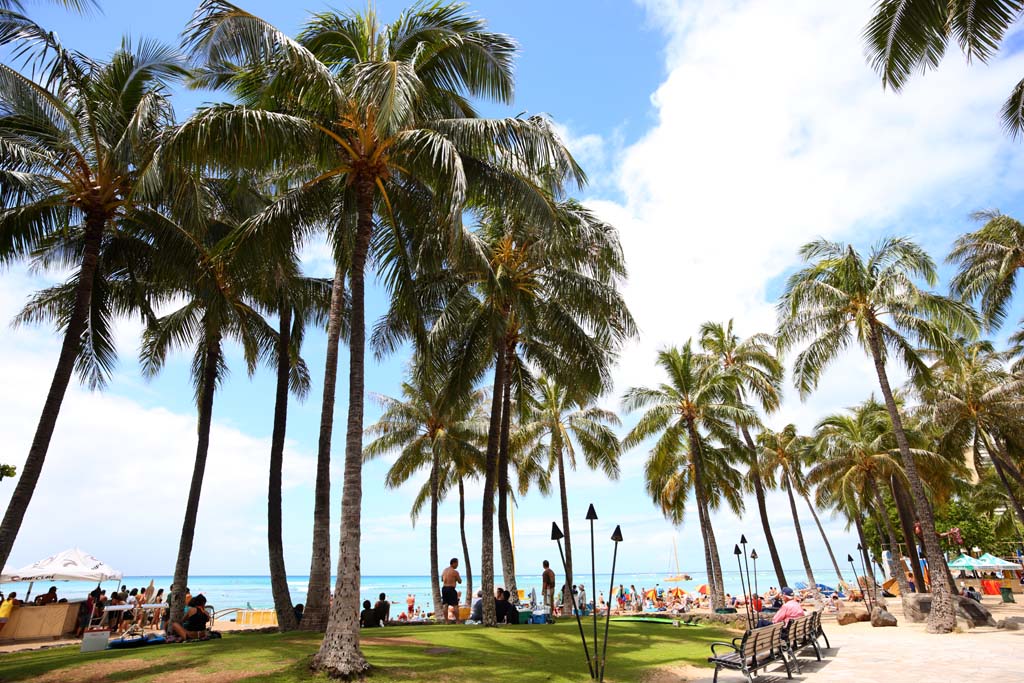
449	595
548	587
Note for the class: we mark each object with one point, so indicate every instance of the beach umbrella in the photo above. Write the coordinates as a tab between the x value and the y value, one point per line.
702	589
676	592
652	594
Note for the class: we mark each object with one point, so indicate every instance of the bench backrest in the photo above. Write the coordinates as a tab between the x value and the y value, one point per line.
799	630
762	641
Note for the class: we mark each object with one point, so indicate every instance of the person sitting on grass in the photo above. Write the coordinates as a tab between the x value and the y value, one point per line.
383	609
476	613
368	617
511	613
193	626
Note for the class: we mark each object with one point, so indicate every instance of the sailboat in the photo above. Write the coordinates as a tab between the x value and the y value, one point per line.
677	576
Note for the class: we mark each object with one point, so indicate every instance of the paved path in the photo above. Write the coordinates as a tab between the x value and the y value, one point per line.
905	653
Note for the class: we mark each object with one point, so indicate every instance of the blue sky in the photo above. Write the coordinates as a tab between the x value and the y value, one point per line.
718	137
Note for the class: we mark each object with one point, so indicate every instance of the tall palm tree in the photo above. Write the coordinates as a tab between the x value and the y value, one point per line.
974	403
381	114
905	36
557	427
694	408
432	427
841	298
987	262
760	371
855	453
296	301
781	453
216	275
539	293
78	155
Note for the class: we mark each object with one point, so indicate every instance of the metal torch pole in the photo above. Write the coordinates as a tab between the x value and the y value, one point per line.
556	536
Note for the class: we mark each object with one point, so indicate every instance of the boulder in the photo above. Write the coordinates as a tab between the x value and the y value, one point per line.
881	617
916	607
1008	624
847	617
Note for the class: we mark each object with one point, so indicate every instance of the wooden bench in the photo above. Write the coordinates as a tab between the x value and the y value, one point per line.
800	634
757	648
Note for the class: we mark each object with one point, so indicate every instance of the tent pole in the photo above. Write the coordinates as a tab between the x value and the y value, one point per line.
29	593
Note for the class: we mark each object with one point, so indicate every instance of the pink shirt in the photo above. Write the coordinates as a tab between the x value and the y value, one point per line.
789	610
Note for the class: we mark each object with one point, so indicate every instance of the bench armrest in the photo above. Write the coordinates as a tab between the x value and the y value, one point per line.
719	643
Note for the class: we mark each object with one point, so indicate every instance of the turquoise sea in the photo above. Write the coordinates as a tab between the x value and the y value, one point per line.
225	591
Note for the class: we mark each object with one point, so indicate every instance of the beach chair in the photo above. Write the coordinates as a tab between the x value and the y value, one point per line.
756	649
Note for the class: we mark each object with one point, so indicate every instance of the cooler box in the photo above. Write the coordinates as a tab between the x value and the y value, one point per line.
525	616
539	619
95	640
464	613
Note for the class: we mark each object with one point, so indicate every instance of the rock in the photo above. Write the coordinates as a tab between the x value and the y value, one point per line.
863	616
881	617
1008	624
916	607
847	617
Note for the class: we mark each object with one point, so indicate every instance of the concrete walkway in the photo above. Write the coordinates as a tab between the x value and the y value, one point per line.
905	653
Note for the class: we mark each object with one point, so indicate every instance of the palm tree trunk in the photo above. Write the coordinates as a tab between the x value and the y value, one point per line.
762	509
564	499
906	515
188	526
895	563
942	617
811	583
33	467
465	543
487	519
339	653
828	546
318	596
508	563
1001	472
715	587
275	545
435	574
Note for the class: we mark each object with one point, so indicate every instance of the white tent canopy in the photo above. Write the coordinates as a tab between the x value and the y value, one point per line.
70	565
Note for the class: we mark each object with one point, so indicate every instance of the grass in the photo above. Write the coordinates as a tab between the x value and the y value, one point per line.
520	653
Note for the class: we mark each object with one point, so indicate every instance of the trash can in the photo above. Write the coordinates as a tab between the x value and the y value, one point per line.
1007	594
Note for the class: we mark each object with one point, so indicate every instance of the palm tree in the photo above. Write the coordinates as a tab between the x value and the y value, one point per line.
695	407
855	453
754	360
431	426
974	403
541	293
781	452
296	301
839	298
379	113
558	425
221	279
903	37
78	157
987	262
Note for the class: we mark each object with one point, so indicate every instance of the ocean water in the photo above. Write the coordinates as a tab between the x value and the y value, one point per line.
224	591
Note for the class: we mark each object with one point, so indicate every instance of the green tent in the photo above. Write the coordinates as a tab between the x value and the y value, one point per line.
966	563
989	562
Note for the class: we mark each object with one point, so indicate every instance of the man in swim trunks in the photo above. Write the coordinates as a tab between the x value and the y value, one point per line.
548	587
449	596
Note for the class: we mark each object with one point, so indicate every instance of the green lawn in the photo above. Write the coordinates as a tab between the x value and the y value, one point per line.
520	653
